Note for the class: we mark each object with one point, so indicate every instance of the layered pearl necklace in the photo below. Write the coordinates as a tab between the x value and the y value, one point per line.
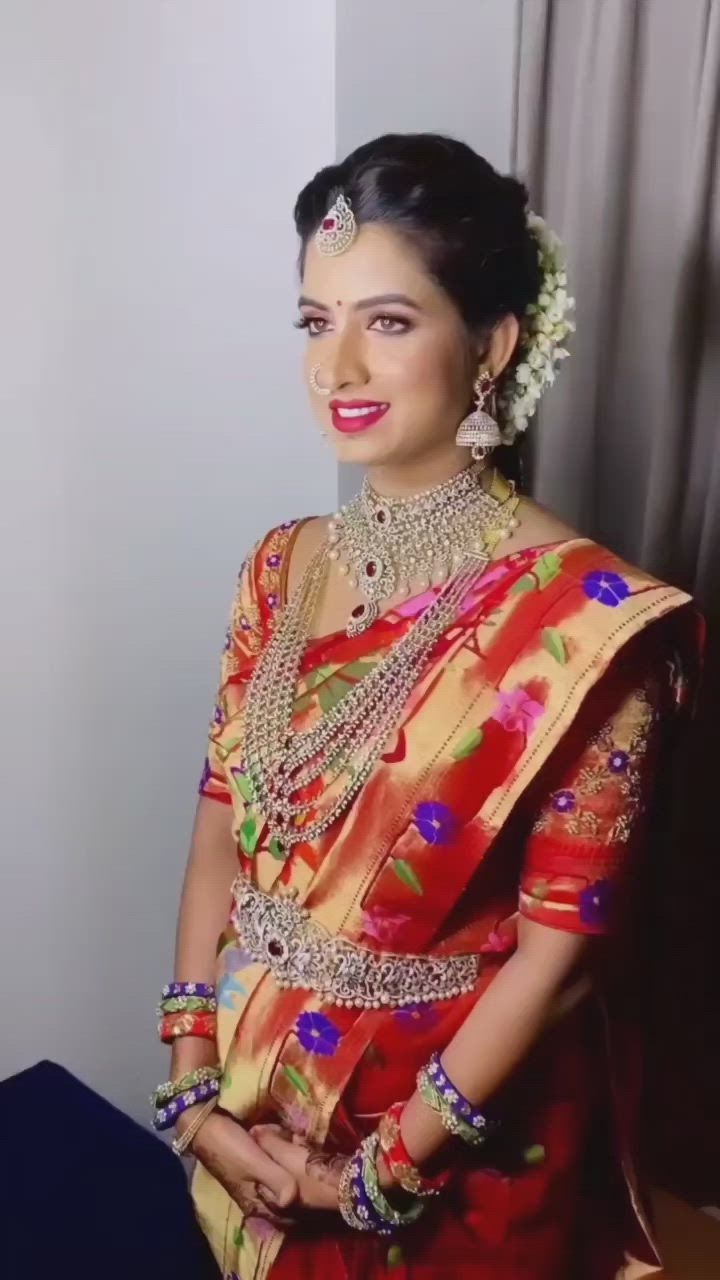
386	546
343	746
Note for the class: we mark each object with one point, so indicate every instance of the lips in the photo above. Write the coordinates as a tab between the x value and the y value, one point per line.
353	416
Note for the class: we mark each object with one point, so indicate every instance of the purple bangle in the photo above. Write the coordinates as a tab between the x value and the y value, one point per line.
204	989
462	1108
363	1207
165	1117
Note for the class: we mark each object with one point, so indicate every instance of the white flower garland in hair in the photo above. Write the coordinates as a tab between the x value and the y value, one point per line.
543	329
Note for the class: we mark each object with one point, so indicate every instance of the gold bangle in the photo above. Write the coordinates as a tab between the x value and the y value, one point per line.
182	1144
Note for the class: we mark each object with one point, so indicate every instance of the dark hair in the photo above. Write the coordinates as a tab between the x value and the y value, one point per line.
467	220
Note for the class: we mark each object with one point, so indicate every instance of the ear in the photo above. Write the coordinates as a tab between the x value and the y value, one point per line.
499	346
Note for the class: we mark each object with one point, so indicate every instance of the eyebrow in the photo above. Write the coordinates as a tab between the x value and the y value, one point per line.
365	304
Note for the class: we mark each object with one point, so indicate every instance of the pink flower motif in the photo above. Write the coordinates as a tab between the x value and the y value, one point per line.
516	710
261	1228
498	944
382	928
297	1119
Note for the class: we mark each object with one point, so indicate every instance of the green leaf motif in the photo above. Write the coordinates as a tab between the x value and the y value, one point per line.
555	645
527	583
277	849
244	786
239	1238
226	1080
356	670
332	692
224	748
547	569
249	836
535	1154
395	1256
404	872
467	745
299	1081
540	890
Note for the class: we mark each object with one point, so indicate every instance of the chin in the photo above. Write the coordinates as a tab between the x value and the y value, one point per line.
372	448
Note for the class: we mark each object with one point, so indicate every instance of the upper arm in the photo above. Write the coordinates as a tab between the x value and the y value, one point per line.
242	642
586	827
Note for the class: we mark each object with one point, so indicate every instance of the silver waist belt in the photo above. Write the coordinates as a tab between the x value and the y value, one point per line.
299	952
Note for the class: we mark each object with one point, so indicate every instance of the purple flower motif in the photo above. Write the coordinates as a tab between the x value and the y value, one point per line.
228	640
436	823
595	903
317	1034
274	561
564	802
288	524
245	624
607	588
416	1017
273	600
206	775
219	715
618	762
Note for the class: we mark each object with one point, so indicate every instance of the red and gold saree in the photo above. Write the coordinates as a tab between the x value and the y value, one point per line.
517	782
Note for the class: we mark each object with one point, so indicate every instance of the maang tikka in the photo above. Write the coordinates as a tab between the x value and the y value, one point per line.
338	228
479	432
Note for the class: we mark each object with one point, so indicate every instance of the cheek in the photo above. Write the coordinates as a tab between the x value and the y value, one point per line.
424	368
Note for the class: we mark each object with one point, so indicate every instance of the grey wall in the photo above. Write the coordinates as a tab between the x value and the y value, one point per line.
153	423
408	65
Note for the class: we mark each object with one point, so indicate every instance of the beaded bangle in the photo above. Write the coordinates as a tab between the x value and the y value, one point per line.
461	1107
165	1117
346	1194
172	989
181	1146
437	1101
402	1168
371	1183
187	1004
174	1025
166	1092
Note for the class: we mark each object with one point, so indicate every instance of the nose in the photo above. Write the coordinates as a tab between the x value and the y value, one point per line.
345	360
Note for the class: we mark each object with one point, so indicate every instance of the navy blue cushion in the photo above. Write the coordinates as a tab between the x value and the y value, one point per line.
86	1192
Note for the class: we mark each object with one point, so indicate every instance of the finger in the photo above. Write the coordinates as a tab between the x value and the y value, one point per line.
283	1153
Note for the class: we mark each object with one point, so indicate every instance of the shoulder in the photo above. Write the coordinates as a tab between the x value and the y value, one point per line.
278	556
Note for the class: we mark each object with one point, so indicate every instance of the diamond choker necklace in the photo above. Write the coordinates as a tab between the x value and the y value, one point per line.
389	546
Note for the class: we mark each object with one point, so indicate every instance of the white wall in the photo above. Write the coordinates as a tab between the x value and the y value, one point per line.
445	67
152	424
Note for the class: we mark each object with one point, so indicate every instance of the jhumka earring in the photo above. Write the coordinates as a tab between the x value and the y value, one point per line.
479	432
337	229
315	385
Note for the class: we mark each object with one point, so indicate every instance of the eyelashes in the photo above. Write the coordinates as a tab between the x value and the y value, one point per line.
390	325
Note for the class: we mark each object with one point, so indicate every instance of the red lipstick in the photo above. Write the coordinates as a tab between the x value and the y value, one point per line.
353	416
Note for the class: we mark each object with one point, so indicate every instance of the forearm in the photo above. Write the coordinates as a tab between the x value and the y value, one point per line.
497	1034
204	909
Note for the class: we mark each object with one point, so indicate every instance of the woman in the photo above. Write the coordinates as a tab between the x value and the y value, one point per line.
428	781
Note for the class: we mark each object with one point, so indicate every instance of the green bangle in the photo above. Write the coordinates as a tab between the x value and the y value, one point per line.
173	1088
450	1121
187	1004
371	1183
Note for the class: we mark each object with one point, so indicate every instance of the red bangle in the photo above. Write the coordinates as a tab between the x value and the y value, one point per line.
405	1173
175	1025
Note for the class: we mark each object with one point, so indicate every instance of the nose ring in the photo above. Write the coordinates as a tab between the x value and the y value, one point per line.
315	385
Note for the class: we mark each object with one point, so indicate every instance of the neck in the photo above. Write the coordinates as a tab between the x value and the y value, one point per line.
402	479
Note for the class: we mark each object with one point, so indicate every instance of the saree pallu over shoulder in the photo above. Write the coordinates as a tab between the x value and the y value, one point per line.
502	690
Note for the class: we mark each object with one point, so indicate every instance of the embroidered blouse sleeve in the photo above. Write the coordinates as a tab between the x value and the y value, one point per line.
242	643
582	839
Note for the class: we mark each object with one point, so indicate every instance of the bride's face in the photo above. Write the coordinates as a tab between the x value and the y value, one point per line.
392	348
